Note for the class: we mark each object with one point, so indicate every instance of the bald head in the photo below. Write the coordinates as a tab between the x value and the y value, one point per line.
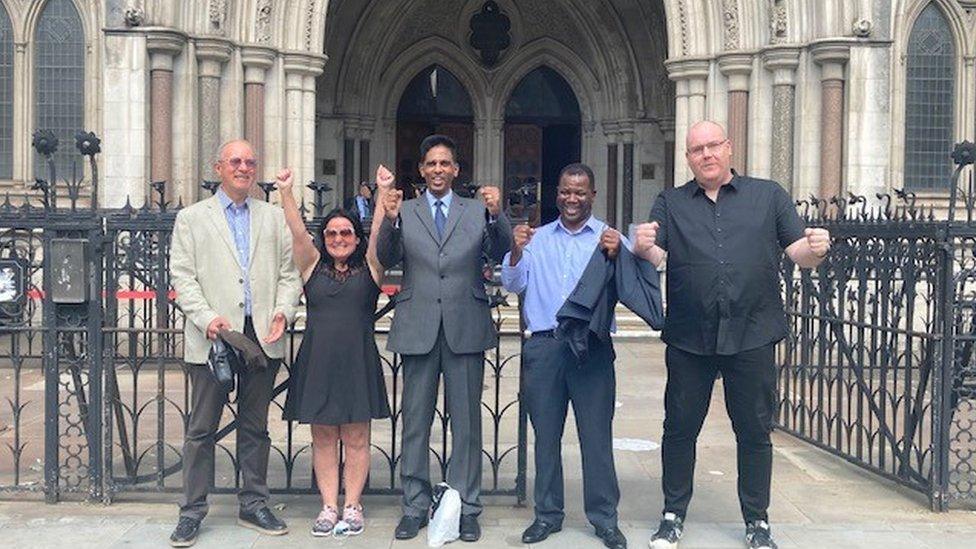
705	127
709	154
232	144
237	167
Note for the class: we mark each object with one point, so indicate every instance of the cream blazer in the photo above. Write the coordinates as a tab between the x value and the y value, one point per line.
209	281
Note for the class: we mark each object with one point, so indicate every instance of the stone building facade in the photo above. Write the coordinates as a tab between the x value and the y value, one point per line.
826	96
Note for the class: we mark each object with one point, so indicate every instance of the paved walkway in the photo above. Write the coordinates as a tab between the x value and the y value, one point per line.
818	500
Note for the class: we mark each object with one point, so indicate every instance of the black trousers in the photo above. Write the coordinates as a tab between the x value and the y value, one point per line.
749	379
552	379
254	390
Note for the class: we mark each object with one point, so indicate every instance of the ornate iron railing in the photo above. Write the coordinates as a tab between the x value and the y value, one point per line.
878	366
94	395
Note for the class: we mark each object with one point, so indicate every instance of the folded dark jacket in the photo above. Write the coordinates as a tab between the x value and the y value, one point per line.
589	308
251	353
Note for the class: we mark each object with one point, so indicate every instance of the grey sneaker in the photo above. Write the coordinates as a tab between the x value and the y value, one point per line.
325	522
759	536
668	532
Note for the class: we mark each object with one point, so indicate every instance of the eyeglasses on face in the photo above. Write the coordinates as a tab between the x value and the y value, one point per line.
702	149
235	162
344	232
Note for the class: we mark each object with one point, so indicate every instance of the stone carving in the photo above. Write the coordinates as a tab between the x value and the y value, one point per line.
217	13
134	17
490	32
730	15
263	25
309	18
862	28
777	21
683	23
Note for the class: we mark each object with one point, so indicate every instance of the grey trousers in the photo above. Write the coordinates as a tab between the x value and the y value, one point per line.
463	378
254	391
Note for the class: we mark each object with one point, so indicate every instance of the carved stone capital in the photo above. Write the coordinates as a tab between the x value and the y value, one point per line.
304	63
687	68
163	45
782	61
256	60
736	67
211	54
831	55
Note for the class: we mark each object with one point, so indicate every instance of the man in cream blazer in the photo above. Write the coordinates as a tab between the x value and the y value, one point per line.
231	267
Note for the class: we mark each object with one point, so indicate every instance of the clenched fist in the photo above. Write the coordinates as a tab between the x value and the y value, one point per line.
384	178
610	242
283	181
491	196
819	240
645	237
392	199
521	236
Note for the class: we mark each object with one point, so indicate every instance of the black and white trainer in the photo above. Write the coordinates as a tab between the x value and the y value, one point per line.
668	532
759	536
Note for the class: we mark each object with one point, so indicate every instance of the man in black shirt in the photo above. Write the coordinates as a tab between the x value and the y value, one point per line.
723	235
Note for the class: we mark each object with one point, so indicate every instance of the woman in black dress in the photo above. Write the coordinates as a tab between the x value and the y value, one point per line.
336	383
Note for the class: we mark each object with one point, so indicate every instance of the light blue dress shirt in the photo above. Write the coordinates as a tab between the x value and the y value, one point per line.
551	266
446	203
239	220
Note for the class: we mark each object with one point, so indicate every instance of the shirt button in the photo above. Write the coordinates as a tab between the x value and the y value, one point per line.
719	245
241	305
719	229
240	280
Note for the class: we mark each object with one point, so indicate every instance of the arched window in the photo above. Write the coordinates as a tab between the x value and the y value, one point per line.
930	102
59	76
6	95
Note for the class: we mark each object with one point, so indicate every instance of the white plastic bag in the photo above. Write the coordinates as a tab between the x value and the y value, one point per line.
445	516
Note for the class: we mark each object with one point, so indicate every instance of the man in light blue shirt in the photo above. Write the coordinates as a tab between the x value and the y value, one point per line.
239	218
544	266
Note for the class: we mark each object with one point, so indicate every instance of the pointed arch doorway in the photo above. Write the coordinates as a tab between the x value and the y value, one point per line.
542	135
435	101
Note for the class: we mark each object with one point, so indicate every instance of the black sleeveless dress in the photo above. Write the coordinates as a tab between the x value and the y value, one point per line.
337	377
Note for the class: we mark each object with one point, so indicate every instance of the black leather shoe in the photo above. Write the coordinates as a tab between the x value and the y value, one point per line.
612	537
409	527
263	521
470	529
538	531
185	533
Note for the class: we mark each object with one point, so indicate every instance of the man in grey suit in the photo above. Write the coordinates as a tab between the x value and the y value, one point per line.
442	324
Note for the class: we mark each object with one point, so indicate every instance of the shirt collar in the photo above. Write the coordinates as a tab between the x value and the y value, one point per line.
593	224
226	202
733	183
446	199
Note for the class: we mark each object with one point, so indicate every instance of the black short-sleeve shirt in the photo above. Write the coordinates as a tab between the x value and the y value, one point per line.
723	283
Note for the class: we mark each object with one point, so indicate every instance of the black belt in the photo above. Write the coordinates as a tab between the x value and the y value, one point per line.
544	333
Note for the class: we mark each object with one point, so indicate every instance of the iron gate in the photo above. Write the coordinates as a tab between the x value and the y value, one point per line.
90	351
878	367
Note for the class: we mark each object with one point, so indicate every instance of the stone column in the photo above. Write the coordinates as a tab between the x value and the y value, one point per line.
612	183
691	78
308	126
211	55
737	67
627	199
667	128
300	112
256	60
782	61
831	57
163	46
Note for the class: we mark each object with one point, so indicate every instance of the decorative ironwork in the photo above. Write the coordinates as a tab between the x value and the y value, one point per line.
128	343
490	33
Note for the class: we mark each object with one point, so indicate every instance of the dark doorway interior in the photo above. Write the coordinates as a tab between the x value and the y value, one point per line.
435	101
542	135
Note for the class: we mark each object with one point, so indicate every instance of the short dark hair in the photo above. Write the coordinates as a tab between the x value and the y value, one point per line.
438	140
358	257
578	168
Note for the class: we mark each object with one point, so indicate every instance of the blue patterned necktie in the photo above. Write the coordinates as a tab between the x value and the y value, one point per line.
439	219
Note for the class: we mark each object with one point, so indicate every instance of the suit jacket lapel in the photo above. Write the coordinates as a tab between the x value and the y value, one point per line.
254	232
422	209
453	216
218	219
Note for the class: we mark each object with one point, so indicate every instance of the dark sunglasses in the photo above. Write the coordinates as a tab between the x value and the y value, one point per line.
334	233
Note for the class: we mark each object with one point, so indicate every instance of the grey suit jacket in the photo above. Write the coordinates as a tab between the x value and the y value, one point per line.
442	280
